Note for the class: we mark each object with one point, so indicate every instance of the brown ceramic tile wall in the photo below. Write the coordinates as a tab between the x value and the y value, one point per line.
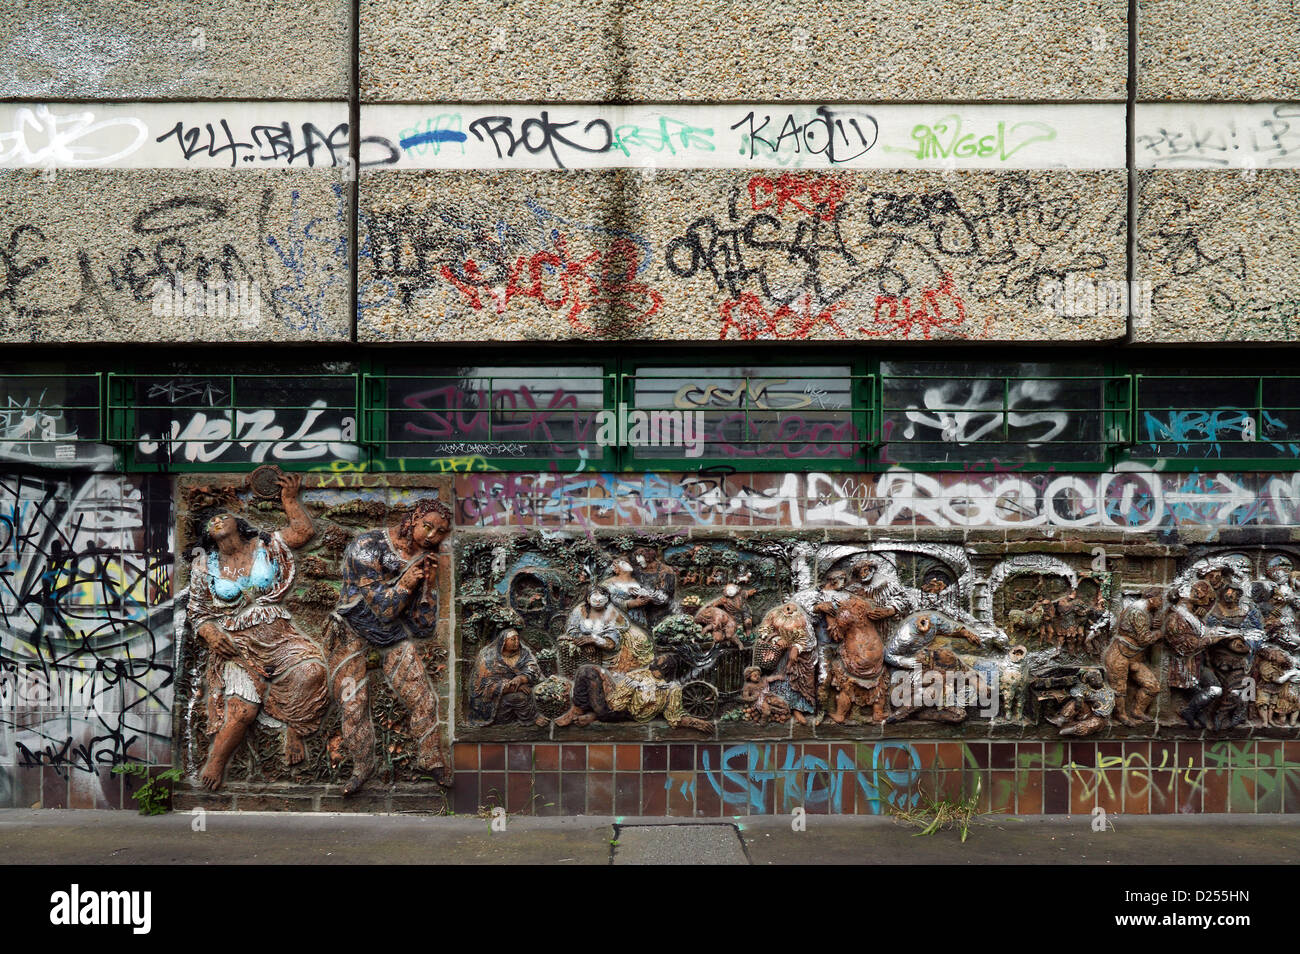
712	780
1021	778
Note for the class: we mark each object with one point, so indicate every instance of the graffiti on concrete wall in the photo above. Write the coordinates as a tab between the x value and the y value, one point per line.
173	135
689	136
789	257
198	135
914	265
86	633
1136	500
1193	251
1217	136
582	273
239	263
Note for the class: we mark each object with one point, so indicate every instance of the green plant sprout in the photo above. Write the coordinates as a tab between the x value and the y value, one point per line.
155	796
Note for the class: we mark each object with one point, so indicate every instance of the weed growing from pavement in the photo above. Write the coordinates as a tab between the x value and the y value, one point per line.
155	796
934	815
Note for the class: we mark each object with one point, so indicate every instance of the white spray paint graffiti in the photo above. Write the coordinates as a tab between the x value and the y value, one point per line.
36	431
977	413
1128	499
41	137
173	135
259	436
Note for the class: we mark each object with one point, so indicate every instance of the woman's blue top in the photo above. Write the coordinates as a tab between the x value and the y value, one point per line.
261	577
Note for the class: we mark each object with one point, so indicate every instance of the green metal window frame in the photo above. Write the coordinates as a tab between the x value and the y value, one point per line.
96	378
862	393
1120	439
1218	460
1115	424
122	412
377	410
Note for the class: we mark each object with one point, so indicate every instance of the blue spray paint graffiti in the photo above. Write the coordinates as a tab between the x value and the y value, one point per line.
317	259
432	135
1202	433
745	771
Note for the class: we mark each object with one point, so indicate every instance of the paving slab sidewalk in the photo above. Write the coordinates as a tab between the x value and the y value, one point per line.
65	837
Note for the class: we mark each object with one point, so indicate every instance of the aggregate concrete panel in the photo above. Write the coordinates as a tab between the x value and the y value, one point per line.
1218	50
1219	251
730	50
182	49
735	256
173	255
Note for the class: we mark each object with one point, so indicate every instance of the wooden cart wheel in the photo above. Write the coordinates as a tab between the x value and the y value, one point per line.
700	699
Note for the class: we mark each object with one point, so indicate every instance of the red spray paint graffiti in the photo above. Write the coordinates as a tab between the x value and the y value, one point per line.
570	285
921	313
820	196
752	321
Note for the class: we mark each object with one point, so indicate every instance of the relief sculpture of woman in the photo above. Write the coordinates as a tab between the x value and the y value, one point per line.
257	660
502	689
636	601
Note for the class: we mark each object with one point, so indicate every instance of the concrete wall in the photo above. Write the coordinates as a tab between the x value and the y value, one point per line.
182	49
724	256
1217	50
1216	227
1220	249
152	90
728	51
168	255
